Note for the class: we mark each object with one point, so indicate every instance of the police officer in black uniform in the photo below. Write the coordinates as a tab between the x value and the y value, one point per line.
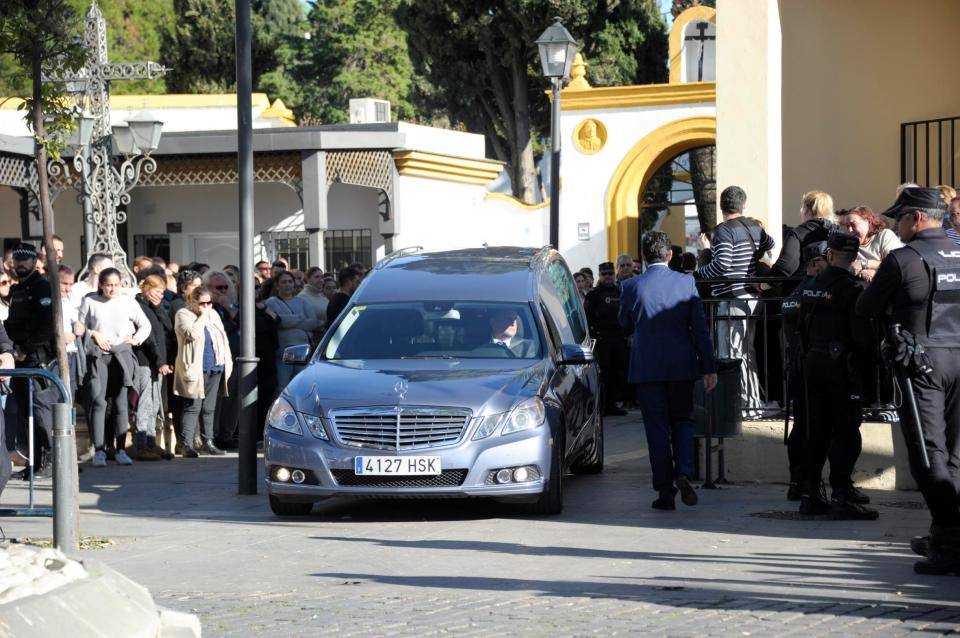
921	284
30	327
602	304
836	347
815	262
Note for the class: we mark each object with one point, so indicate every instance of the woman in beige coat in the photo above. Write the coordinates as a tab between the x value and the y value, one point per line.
203	366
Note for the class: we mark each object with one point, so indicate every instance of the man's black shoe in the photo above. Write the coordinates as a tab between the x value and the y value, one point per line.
847	510
228	444
854	494
212	449
190	453
687	494
615	411
813	505
793	492
663	503
920	545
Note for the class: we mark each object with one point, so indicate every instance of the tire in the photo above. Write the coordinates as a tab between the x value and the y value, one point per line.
551	500
289	508
592	461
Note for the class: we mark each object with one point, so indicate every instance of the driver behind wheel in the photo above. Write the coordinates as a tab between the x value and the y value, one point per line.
503	333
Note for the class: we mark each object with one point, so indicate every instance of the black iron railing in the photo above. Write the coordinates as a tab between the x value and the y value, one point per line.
928	151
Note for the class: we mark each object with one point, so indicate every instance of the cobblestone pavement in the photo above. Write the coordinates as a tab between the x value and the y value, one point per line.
642	610
738	564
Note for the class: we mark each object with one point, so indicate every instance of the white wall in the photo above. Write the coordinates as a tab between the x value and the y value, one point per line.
436	214
584	179
205	211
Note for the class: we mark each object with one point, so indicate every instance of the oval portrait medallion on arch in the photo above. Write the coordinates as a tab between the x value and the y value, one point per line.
590	136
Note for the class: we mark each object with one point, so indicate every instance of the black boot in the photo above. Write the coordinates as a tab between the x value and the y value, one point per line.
666	501
920	545
944	552
858	497
813	500
843	507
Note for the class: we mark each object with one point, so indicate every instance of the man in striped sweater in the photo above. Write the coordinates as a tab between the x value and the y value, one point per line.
737	245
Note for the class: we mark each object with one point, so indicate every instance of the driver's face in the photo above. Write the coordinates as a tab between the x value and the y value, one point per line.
504	324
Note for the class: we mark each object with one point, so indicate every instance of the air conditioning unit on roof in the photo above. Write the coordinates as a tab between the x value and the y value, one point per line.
369	111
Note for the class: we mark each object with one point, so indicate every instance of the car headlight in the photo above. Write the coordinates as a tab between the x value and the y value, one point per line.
282	417
488	425
526	415
315	425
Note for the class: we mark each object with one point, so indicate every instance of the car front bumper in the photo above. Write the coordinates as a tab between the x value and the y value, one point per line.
477	458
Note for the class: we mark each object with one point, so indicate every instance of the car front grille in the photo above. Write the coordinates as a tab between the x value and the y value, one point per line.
446	478
399	428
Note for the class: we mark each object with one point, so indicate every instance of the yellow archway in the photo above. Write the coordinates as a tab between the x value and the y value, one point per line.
636	169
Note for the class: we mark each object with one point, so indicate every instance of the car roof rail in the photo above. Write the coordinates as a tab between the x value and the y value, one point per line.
409	250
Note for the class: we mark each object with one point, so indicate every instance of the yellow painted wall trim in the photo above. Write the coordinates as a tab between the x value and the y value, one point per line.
446	167
278	110
636	169
693	14
613	97
519	203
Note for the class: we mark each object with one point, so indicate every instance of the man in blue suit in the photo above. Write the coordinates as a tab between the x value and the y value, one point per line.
671	349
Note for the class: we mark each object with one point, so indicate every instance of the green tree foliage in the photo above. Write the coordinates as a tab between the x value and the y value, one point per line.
37	34
482	59
200	46
135	30
355	49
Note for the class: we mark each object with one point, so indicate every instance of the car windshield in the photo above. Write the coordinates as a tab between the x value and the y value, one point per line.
443	330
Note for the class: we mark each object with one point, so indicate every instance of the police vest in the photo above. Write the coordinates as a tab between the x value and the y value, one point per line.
943	302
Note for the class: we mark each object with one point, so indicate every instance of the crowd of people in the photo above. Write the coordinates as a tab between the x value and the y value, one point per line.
843	282
161	361
157	360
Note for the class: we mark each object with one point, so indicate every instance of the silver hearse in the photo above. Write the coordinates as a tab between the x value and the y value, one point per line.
465	373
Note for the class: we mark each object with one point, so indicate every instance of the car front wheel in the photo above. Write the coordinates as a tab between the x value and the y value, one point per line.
551	500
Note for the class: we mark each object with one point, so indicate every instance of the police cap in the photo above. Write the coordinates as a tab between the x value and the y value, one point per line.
841	242
24	250
606	266
814	250
912	198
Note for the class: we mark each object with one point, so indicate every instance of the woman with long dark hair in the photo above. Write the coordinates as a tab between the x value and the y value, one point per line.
115	324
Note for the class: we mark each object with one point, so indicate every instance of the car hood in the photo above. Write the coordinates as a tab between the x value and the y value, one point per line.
483	386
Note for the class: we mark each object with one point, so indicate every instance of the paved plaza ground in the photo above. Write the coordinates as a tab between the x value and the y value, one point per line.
739	564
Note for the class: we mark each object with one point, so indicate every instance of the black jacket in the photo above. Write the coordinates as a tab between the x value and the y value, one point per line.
790	263
153	351
602	305
30	323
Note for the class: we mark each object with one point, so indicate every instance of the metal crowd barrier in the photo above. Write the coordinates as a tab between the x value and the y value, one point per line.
764	350
64	510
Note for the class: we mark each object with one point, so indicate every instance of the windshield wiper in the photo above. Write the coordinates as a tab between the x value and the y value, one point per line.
428	356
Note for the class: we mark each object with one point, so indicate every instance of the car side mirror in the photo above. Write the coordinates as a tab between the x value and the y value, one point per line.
296	355
573	354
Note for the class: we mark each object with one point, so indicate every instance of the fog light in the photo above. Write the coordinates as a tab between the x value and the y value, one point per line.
519	475
282	474
503	476
298	476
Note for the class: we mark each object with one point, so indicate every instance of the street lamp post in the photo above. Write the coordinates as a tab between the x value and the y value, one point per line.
557	48
105	187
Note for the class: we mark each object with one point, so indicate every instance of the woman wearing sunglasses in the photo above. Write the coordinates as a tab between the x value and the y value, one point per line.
202	368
